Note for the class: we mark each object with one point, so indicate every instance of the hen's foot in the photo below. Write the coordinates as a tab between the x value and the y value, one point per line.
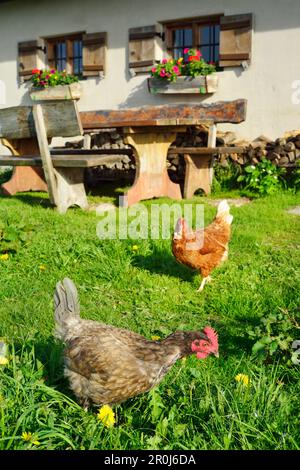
204	281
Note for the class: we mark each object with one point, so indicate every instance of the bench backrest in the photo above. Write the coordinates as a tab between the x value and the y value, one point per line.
61	119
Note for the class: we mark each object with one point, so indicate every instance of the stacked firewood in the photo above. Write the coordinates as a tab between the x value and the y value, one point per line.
284	151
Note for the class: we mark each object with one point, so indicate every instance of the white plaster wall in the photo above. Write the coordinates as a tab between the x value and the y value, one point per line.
267	84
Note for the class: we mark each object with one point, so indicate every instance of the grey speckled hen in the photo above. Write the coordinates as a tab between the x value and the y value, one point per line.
107	365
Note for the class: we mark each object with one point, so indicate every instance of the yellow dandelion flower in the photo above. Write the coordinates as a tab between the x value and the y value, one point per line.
106	416
36	442
3	361
155	338
243	378
135	247
42	267
4	257
26	436
183	359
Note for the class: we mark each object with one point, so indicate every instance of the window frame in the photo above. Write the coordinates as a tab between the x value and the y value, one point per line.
69	39
193	23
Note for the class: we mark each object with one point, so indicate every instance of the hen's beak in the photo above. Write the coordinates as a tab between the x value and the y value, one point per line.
216	354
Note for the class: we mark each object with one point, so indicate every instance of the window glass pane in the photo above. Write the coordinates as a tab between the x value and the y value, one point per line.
60	55
178	37
204	35
182	38
205	50
77	57
217	33
188	38
216	54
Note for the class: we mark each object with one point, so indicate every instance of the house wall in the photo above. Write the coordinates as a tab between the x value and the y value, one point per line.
267	84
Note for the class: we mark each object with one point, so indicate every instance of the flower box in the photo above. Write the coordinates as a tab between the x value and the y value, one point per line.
58	92
184	84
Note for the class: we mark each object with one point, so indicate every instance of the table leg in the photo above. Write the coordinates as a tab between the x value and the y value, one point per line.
151	179
199	168
24	178
197	174
70	190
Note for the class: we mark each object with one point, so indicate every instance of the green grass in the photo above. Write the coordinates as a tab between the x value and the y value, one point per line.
199	405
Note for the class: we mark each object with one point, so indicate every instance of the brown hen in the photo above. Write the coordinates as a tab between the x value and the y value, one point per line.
203	249
107	365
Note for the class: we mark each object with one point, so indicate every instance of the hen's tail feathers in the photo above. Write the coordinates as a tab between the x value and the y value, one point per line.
223	212
66	307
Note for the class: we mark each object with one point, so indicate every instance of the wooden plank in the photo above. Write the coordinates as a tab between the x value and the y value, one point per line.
184	84
206	150
60	161
27	58
83	161
235	39
61	119
142	43
88	152
41	131
221	111
11	160
94	53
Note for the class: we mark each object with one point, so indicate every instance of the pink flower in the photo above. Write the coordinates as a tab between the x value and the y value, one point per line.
162	73
198	53
186	50
176	69
153	70
47	76
52	71
164	61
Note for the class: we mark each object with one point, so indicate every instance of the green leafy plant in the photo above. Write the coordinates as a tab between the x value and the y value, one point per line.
294	179
265	178
190	65
225	177
274	337
50	78
13	236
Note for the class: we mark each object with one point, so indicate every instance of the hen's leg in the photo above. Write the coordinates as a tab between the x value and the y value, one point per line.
204	280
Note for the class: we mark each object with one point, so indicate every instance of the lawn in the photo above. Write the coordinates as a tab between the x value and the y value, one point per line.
199	404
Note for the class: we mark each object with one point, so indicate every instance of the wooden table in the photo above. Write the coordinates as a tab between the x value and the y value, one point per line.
151	141
150	130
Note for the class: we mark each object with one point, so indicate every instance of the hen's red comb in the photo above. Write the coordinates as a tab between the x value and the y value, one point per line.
212	335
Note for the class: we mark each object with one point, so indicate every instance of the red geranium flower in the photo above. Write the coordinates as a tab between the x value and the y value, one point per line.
34	71
193	57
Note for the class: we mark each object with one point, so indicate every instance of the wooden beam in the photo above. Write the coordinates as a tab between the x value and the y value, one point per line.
221	111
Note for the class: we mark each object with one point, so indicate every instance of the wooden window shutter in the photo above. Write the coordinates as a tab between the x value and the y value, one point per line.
93	54
142	45
235	40
27	58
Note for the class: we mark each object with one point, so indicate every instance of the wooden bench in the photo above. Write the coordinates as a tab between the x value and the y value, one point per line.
25	130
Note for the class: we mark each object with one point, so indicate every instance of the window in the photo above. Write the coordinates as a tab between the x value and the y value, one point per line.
65	53
200	33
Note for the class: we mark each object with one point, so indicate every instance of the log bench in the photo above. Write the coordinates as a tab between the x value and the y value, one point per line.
26	131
